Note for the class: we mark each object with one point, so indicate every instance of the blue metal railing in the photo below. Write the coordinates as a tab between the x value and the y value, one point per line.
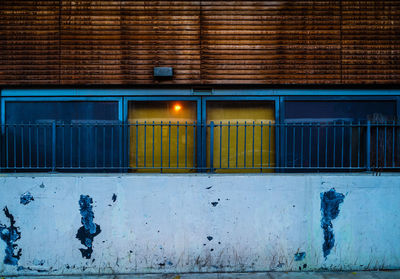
174	147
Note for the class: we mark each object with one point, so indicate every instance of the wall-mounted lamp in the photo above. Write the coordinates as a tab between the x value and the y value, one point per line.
163	72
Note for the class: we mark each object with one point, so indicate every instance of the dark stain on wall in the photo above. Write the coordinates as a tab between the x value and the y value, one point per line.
10	235
299	256
26	198
114	197
89	230
330	202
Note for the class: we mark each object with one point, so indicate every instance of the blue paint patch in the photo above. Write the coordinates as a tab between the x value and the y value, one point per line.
330	202
89	230
299	256
26	198
10	235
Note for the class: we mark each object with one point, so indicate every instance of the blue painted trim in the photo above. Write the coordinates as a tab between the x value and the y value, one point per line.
341	98
93	92
192	92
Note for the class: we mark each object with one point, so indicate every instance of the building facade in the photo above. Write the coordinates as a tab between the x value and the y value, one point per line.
205	136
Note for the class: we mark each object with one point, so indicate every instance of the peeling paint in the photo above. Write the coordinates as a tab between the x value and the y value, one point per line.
26	198
299	256
330	202
89	230
10	235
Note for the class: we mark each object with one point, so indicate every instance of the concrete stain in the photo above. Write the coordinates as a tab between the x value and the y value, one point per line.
299	256
330	202
89	230
10	235
26	198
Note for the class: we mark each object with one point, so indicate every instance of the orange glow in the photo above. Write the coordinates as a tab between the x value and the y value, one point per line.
177	108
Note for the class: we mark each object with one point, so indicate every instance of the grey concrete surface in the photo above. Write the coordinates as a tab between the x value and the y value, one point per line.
261	275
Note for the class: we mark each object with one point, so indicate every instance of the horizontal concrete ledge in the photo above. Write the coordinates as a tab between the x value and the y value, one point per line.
250	275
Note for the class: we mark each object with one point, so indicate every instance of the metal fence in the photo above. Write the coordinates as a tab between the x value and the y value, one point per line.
193	147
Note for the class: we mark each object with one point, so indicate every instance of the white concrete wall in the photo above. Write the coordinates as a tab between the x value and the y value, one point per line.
160	223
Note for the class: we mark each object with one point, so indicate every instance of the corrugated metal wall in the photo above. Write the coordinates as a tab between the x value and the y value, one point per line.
207	42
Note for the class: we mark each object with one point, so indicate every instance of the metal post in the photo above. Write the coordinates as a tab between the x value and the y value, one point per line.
53	165
212	146
368	157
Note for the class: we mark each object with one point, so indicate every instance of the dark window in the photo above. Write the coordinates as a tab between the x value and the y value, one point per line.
83	132
329	134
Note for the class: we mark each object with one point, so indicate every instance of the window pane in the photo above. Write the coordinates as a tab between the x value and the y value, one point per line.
85	135
237	142
334	135
162	136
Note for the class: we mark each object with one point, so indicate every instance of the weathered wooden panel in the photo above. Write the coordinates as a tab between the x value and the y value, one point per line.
29	42
271	42
71	42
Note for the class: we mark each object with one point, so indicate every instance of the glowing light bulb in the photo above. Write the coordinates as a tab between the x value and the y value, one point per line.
177	108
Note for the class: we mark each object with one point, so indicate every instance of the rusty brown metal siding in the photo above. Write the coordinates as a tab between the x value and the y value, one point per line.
69	42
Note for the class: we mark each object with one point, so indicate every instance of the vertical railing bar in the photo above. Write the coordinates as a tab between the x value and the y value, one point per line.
70	150
350	143
104	146
54	148
30	145
359	144
269	143
15	147
229	141
79	145
95	145
318	135
62	126
169	144
212	146
137	143
245	135
6	127
334	145
342	144
45	146
186	128
377	146
145	144
294	146
309	148
161	155
22	146
302	146
326	146
112	146
177	144
237	142
261	146
87	130
120	143
368	146
220	144
393	146
153	146
286	151
194	145
384	150
252	164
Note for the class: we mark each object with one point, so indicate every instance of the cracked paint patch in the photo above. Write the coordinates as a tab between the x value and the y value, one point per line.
330	202
26	198
89	230
10	235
